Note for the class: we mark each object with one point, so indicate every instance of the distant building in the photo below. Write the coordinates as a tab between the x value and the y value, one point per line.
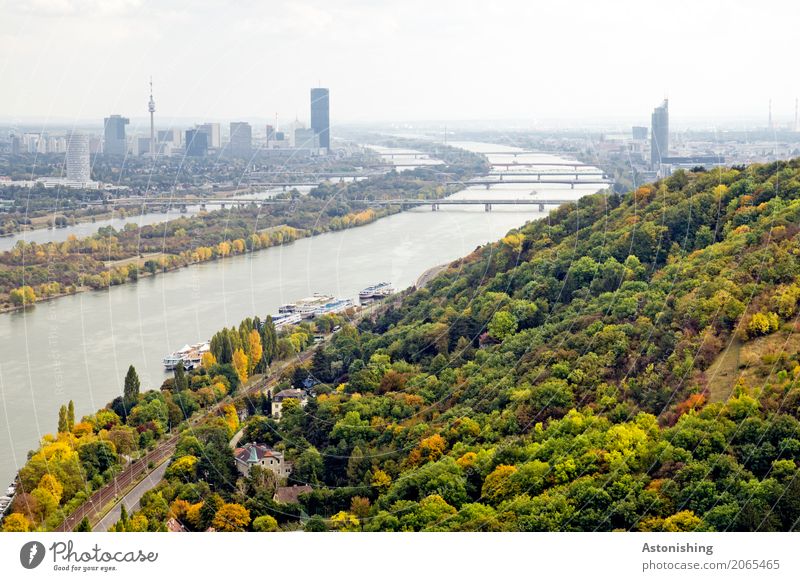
306	139
253	454
143	146
639	133
291	494
659	134
320	116
212	133
196	143
115	142
241	139
280	397
78	168
270	133
172	136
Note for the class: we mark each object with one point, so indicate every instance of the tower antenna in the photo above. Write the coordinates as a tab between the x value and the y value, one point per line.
151	106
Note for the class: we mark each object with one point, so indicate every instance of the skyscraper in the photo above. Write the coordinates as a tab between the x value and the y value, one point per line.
115	142
196	143
659	134
78	169
212	134
320	116
241	139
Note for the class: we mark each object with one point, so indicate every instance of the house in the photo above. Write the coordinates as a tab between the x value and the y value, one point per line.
175	526
290	494
282	396
253	454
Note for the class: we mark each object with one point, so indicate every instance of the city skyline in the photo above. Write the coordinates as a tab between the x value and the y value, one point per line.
381	72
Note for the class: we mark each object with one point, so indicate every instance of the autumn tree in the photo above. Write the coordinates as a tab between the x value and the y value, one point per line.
231	517
255	351
240	364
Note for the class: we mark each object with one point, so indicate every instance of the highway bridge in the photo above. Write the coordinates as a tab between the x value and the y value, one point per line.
486	203
573	164
538	180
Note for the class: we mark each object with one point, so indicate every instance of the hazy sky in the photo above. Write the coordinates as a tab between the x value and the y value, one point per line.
404	60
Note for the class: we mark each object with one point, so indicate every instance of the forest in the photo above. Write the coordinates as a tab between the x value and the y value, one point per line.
629	363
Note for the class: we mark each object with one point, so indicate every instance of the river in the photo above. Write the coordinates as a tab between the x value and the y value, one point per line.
79	347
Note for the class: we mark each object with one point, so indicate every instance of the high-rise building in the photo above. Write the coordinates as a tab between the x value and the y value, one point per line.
115	142
659	134
639	133
320	116
306	139
172	136
196	143
212	133
78	169
241	139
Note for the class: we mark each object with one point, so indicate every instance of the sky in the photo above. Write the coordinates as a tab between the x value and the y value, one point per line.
402	61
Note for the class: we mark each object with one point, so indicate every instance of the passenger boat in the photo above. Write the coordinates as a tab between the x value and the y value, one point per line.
308	306
190	355
284	319
377	291
333	307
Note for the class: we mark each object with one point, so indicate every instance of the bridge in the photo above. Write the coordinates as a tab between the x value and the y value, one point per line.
486	203
538	174
573	164
570	182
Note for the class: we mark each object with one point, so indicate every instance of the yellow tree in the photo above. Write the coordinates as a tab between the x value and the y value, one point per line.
240	364
208	360
16	523
255	350
231	517
51	484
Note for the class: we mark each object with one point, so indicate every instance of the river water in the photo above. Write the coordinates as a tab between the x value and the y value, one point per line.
79	347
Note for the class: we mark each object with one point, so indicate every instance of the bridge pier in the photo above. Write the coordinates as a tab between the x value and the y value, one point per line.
572	186
541	207
487	207
488	186
434	207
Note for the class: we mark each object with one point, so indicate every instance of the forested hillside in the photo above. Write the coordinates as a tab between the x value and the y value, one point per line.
557	380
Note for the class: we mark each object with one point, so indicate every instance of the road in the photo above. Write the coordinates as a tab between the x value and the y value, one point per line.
131	500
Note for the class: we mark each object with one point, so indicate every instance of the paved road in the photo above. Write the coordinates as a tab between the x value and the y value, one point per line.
131	500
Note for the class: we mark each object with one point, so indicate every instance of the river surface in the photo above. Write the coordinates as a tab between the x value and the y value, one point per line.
79	347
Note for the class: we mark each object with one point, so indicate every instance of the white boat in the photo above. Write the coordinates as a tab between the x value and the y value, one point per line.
308	306
190	355
284	319
377	291
333	307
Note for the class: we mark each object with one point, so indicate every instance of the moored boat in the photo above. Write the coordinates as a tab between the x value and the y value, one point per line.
376	291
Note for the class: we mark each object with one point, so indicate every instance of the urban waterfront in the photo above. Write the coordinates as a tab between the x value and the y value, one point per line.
79	347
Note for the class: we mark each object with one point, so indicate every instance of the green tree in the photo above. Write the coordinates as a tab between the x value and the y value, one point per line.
131	390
